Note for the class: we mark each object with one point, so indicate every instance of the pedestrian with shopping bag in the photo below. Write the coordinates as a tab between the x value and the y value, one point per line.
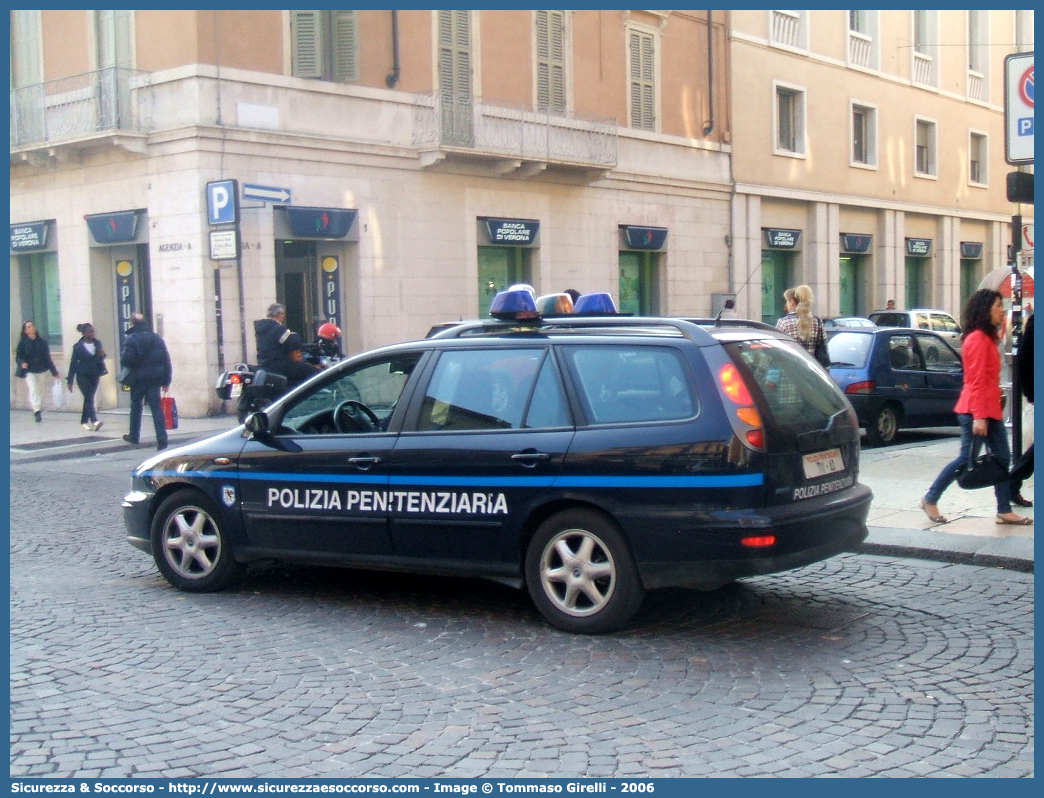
147	361
33	358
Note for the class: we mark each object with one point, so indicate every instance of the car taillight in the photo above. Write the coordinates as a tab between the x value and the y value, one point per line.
758	541
234	379
867	386
744	411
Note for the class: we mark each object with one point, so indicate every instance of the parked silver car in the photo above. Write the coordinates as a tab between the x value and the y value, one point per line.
938	321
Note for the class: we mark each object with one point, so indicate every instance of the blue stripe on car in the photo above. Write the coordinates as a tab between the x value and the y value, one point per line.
705	481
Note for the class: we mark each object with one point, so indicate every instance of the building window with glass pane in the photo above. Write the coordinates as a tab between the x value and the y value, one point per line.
925	148
864	135
790	120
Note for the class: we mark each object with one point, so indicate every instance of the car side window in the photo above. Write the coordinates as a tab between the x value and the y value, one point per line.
902	355
921	321
944	324
620	384
377	385
937	356
480	389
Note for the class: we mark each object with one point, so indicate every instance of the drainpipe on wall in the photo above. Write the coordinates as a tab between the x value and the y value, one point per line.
709	127
393	78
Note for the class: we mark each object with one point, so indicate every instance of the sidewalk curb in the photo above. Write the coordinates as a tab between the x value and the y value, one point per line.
1013	554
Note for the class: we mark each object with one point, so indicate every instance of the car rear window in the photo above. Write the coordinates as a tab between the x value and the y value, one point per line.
849	350
627	384
799	397
889	319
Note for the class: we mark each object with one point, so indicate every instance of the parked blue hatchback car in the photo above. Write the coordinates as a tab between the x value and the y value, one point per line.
896	378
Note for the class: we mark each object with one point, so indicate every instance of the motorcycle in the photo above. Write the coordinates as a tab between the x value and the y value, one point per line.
250	387
253	388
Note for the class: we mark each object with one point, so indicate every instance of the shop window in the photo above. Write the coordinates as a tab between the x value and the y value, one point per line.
40	295
639	284
498	269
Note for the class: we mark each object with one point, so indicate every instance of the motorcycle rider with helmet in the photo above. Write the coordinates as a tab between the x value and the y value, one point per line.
328	341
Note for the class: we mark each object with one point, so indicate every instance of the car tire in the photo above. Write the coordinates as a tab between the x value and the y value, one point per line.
580	573
883	426
190	544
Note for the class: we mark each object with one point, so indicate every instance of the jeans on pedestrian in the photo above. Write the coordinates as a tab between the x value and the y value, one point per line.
34	382
88	387
997	437
139	396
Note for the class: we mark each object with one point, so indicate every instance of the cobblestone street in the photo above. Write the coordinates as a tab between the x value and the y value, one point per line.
858	666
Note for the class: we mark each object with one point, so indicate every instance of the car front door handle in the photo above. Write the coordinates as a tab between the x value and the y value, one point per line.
530	459
364	462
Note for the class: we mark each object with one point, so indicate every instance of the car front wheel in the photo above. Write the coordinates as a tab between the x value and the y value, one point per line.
883	426
580	573
190	544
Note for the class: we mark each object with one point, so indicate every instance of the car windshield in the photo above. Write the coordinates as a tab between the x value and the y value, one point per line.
849	349
797	396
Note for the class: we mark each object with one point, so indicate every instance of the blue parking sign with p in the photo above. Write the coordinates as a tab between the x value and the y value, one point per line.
222	204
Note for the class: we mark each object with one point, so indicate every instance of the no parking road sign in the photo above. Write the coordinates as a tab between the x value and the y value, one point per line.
1018	108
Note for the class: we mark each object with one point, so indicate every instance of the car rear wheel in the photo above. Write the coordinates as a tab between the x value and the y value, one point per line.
580	573
883	426
190	544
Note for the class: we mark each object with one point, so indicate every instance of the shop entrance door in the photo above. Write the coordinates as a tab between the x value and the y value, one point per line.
296	279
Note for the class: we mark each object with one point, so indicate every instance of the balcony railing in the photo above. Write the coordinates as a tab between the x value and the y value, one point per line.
786	28
923	69
77	107
860	49
977	86
463	123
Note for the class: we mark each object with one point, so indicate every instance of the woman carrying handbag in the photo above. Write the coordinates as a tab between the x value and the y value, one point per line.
86	366
33	357
979	410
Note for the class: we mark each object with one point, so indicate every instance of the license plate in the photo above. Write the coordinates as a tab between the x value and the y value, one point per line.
237	389
820	464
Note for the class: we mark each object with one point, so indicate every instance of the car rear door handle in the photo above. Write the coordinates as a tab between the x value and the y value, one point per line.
530	458
364	462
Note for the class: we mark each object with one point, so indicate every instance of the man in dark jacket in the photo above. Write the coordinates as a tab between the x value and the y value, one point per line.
1024	366
272	339
146	356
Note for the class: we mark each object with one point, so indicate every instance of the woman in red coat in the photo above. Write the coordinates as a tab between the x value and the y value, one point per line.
979	410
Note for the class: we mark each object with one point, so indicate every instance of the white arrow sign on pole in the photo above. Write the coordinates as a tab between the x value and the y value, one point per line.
265	193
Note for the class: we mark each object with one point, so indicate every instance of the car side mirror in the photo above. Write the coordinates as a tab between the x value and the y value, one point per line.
257	423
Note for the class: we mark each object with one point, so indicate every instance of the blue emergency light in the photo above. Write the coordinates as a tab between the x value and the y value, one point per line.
601	303
514	305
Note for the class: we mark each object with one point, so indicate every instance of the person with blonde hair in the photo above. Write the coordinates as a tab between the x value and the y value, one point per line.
801	323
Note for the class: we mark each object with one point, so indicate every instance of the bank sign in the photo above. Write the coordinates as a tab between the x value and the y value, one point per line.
1018	108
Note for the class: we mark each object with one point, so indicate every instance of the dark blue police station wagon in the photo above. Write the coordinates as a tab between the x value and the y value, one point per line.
586	458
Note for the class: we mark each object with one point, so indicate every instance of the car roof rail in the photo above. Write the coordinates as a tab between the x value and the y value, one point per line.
685	327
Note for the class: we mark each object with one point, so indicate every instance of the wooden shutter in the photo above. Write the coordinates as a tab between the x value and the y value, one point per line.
306	31
550	58
642	78
345	46
25	46
455	53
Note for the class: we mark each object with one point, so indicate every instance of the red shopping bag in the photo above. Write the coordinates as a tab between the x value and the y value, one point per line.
170	412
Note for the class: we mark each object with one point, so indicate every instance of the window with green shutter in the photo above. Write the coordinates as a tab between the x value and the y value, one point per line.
642	68
324	45
550	61
455	79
